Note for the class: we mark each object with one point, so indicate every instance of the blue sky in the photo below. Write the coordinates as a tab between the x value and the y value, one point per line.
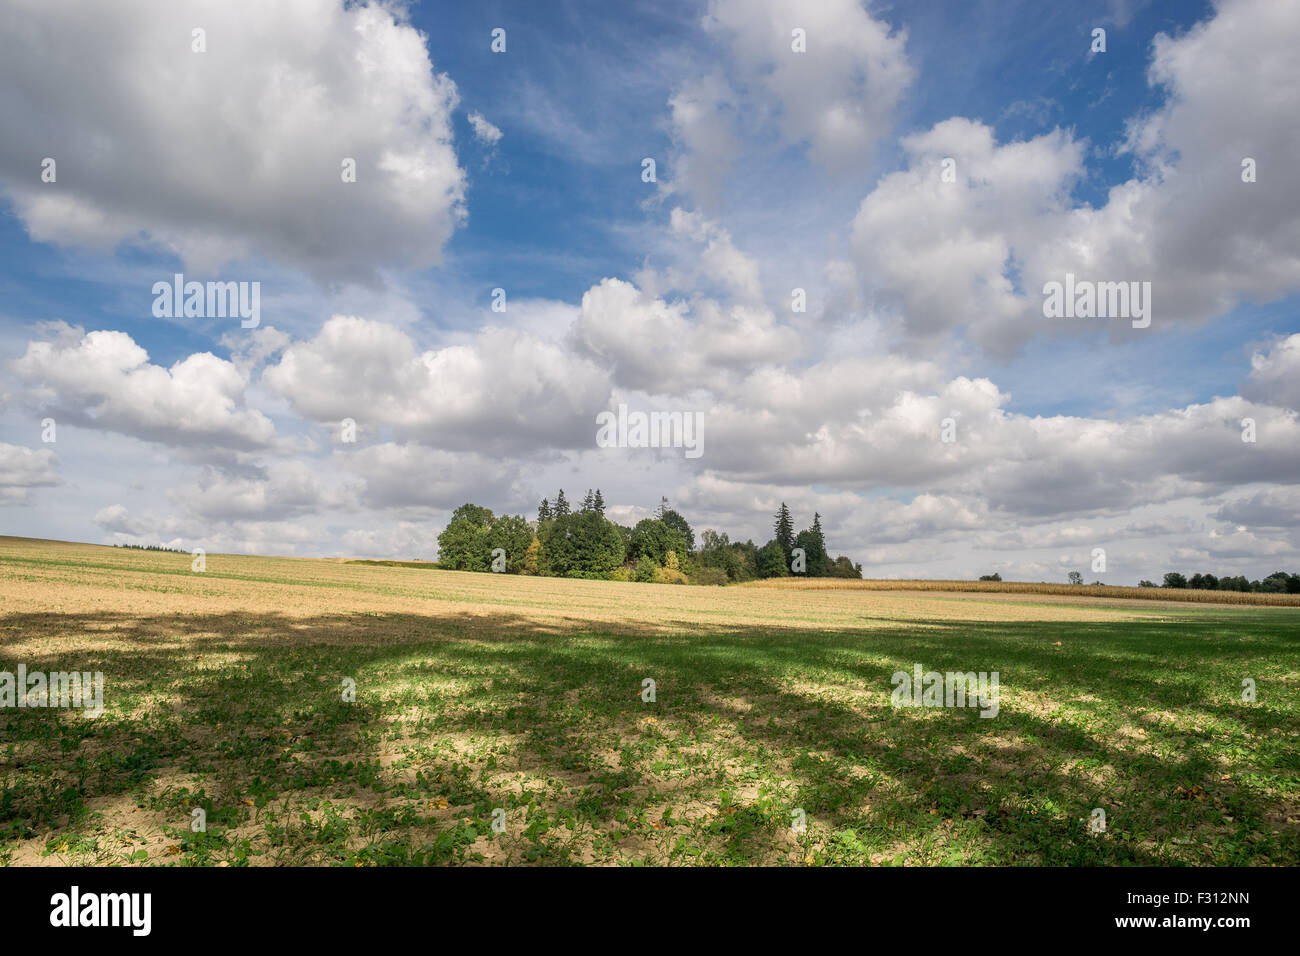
775	169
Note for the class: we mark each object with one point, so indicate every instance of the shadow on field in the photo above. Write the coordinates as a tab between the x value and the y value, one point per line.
1141	718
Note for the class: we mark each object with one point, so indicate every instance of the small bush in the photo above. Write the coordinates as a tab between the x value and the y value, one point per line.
669	576
646	570
671	572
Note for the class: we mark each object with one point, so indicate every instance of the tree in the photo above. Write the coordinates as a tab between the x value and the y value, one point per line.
736	559
771	561
671	572
646	569
512	535
784	528
842	567
584	543
814	547
1075	577
653	538
711	540
625	535
677	523
1175	580
991	577
1275	583
747	558
818	567
463	544
533	557
581	545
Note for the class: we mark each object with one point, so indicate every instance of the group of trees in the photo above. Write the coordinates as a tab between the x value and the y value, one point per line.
473	535
1279	582
584	543
787	553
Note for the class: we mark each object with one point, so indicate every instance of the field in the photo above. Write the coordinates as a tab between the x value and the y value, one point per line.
1180	595
482	697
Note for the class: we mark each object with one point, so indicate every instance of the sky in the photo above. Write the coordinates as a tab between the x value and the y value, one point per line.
839	267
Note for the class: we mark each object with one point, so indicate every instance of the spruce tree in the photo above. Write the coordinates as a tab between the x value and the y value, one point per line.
784	528
818	558
561	505
599	503
544	511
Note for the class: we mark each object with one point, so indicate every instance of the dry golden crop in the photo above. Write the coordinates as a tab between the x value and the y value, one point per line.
1028	587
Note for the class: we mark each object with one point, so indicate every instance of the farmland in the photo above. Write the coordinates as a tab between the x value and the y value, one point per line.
519	700
1181	595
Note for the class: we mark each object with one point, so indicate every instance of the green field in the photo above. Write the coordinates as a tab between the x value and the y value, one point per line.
478	693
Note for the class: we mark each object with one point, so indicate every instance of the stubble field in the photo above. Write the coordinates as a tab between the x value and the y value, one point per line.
483	698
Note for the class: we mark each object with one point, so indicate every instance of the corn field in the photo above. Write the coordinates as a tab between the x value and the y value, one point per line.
1185	595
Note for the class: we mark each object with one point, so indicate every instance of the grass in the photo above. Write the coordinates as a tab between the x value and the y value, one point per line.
481	696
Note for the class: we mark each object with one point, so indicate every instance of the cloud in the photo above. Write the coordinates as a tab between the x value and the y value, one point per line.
944	249
410	540
484	131
188	533
719	261
237	151
1242	543
504	390
977	252
674	347
839	96
1268	508
409	475
22	469
104	380
1275	375
703	125
286	489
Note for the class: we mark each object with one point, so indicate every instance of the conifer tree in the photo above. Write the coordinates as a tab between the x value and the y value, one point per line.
784	528
817	556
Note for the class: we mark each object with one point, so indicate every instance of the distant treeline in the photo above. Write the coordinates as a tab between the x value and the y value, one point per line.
583	543
151	547
1279	582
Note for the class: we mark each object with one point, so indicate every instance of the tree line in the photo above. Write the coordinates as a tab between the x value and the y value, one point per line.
583	543
1279	582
